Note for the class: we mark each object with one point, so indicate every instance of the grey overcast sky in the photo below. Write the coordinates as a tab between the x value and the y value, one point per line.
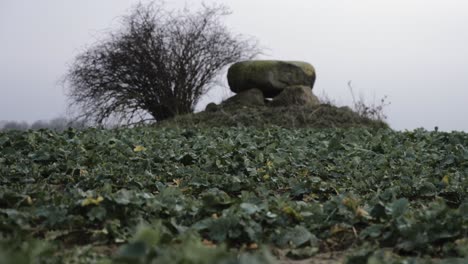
413	51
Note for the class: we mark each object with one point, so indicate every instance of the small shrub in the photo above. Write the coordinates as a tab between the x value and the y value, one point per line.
374	111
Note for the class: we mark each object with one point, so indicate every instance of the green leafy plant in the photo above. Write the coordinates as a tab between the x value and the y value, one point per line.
233	195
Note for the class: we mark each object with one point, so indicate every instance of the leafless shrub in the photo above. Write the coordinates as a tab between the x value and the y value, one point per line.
374	111
157	66
15	125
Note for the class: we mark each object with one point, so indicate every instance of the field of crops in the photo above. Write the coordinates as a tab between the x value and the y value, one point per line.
233	195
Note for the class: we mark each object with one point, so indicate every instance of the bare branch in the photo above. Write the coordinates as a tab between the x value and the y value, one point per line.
159	64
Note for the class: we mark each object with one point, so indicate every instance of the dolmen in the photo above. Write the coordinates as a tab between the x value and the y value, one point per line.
271	82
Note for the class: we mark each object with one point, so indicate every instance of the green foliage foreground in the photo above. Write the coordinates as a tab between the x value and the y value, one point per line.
233	195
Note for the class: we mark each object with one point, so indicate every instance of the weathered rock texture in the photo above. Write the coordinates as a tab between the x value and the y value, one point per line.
271	77
295	95
251	97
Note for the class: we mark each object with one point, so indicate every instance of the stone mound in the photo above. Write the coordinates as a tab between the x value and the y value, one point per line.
274	93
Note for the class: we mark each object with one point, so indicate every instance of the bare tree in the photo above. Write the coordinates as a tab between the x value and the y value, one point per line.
58	124
2	123
13	125
157	66
39	124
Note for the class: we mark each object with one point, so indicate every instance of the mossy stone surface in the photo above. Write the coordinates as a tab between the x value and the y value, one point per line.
270	76
251	97
295	95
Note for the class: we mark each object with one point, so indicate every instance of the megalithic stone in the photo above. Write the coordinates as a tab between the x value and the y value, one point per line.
270	76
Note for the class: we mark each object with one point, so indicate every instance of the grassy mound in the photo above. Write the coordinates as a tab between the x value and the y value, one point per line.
320	116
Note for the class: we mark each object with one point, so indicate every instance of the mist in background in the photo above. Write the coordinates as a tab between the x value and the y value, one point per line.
413	51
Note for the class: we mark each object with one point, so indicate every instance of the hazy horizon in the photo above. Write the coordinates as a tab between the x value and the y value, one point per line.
413	51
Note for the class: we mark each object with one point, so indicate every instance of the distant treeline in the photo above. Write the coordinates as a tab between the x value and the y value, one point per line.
57	124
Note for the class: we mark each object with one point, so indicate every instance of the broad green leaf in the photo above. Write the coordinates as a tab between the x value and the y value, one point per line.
398	207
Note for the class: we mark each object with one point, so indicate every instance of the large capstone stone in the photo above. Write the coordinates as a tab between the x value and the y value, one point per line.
295	95
271	77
